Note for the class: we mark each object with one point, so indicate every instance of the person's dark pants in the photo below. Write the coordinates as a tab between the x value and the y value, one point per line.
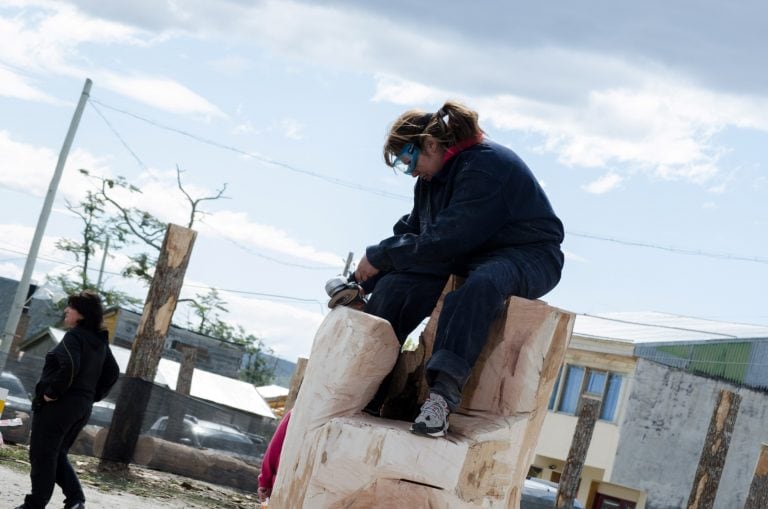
55	426
405	299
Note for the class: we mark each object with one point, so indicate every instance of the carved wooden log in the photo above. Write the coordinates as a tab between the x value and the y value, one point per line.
346	460
351	354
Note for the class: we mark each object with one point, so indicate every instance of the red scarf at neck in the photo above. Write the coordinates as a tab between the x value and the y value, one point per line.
459	147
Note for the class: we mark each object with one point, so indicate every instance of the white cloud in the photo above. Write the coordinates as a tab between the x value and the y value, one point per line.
606	183
46	38
238	227
15	245
592	105
291	128
29	168
48	41
285	328
573	257
162	93
18	86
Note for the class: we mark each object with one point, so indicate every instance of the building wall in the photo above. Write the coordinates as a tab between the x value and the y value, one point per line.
218	356
663	431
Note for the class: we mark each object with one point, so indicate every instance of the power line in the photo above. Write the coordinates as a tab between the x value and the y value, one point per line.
244	292
143	166
692	252
332	180
122	140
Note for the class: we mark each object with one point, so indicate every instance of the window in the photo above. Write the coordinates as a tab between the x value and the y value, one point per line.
580	380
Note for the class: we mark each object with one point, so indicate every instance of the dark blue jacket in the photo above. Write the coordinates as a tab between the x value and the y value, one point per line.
484	201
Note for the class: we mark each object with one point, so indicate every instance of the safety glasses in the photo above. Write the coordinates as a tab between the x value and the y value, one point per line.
406	161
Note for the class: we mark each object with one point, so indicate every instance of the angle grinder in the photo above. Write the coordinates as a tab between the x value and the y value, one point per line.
344	291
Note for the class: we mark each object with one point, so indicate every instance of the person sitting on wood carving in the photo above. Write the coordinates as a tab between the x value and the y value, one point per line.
478	212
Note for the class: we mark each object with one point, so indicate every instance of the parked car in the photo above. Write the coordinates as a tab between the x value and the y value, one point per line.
210	435
101	414
541	494
17	404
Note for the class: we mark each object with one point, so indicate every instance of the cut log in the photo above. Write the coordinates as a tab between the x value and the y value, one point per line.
201	464
352	352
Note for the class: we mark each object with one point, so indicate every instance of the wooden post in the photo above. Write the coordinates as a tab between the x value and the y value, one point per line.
189	355
175	424
147	349
569	481
712	460
296	379
758	491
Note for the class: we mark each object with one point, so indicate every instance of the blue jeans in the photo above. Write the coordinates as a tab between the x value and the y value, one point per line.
406	298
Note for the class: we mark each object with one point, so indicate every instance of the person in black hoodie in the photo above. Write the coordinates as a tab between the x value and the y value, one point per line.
77	372
478	212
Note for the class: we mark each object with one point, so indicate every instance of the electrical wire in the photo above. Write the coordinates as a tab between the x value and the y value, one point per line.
332	180
692	252
231	148
244	292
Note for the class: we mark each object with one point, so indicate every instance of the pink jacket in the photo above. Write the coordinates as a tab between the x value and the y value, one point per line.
272	457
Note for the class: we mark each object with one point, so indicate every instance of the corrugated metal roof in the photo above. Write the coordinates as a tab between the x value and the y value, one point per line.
272	391
654	327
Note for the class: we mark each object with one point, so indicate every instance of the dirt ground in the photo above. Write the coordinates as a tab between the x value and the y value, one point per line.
138	488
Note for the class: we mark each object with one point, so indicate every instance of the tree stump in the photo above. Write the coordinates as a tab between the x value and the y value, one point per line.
335	457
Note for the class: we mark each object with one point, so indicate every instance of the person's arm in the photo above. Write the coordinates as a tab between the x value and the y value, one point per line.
271	460
110	372
67	356
477	210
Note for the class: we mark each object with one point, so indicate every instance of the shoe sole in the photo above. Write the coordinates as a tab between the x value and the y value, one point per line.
426	433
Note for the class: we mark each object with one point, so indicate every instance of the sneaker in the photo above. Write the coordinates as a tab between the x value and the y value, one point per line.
433	419
76	505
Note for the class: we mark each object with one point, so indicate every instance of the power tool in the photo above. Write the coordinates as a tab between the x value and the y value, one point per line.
345	291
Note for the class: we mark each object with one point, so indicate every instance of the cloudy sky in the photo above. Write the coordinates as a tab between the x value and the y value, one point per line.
645	123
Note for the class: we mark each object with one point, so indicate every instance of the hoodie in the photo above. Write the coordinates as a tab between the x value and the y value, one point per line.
81	365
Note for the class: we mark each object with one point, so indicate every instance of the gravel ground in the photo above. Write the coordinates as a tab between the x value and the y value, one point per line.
138	488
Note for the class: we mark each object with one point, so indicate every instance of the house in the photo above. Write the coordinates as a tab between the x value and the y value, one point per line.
659	377
37	314
214	355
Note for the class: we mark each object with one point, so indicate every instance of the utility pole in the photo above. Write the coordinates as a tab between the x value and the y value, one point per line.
101	269
22	289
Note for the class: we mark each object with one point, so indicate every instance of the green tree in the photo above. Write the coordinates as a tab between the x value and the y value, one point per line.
98	229
105	217
207	309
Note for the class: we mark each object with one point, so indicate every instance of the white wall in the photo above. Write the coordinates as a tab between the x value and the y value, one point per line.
663	432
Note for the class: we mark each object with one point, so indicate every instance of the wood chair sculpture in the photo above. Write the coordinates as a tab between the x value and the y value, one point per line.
335	457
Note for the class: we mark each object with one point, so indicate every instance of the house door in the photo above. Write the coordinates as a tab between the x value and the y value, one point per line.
606	502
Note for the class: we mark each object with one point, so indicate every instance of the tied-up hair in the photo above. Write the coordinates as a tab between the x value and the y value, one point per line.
88	304
449	126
